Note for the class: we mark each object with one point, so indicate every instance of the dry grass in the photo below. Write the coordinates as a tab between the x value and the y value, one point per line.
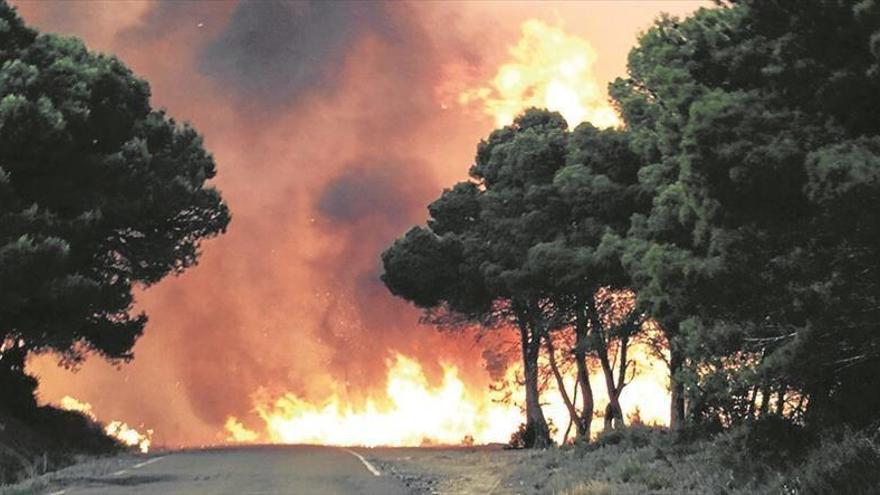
651	461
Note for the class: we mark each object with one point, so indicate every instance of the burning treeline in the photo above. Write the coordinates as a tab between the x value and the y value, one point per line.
553	69
517	246
328	149
117	429
701	222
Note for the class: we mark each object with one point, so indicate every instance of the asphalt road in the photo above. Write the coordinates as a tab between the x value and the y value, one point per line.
280	470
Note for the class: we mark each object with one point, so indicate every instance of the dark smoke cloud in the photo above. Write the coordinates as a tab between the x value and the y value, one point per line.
341	157
274	49
374	191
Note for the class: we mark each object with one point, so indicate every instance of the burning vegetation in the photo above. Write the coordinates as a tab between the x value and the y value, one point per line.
698	252
412	412
117	429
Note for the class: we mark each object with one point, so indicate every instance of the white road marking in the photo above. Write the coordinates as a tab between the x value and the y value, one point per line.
366	463
123	471
147	462
137	466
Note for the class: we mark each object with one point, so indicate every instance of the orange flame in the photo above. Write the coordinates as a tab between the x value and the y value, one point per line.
116	429
418	414
549	68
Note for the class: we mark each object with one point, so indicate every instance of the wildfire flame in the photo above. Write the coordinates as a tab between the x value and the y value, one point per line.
549	68
238	432
418	414
116	429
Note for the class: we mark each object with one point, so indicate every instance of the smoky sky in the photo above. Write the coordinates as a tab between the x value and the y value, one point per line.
333	125
375	191
275	49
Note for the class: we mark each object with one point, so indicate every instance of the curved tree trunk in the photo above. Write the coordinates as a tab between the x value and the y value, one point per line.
613	411
560	383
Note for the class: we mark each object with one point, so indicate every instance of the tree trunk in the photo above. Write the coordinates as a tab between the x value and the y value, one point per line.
623	365
560	382
613	412
537	431
574	399
583	372
676	413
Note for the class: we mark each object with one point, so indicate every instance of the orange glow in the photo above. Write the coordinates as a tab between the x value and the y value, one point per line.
237	432
449	414
116	429
286	275
414	414
549	68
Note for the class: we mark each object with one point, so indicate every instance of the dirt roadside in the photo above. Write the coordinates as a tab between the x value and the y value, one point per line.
489	470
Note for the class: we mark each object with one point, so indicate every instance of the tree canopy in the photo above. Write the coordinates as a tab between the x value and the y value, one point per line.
760	245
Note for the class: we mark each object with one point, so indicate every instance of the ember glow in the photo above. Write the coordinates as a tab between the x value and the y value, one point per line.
333	125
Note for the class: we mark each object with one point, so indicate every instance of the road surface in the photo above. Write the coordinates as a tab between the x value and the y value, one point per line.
271	470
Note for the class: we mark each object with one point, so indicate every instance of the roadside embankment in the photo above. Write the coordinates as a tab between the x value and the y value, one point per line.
763	459
47	440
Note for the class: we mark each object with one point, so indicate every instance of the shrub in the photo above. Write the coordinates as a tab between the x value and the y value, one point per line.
602	488
846	462
73	431
633	437
757	448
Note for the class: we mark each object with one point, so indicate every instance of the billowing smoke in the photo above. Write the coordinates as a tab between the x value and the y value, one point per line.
272	49
333	126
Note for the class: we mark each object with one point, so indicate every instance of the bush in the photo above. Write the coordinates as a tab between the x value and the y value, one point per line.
846	462
602	488
633	437
757	448
17	393
524	436
74	432
520	438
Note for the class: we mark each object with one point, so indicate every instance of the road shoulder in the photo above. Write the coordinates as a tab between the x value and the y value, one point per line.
88	469
452	470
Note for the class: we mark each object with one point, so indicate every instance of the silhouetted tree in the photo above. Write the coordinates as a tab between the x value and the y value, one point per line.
99	193
600	189
472	257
